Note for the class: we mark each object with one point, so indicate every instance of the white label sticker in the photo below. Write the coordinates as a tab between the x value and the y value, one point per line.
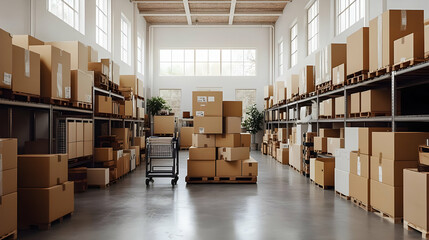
7	79
60	80
358	166
27	63
402	59
88	98
201	130
211	98
201	99
68	92
199	113
380	173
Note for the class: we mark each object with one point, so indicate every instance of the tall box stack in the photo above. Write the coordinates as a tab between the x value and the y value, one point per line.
306	80
292	86
392	152
44	192
280	95
296	146
5	60
8	186
358	52
326	59
26	71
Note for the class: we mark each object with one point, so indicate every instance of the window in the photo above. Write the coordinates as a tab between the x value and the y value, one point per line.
281	58
348	13
207	62
173	97
313	27
102	23
140	55
247	96
176	62
125	40
69	11
293	45
239	62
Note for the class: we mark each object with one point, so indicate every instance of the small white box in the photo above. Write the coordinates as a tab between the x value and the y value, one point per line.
342	182
351	138
312	168
342	159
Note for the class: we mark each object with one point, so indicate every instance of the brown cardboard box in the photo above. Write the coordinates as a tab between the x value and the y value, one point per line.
78	52
268	91
338	75
328	132
122	134
359	189
355	103
208	125
81	86
25	41
233	154
398	146
98	176
8	213
44	205
103	104
359	164
42	171
79	131
129	81
249	168
107	62
126	109
283	155
375	101
137	152
87	131
99	68
115	74
9	183
330	56
228	140
232	124
186	136
232	108
207	104
203	140
279	92
329	105
292	86
72	150
405	49
388	171
92	55
416	188
25	71
365	138
358	51
306	80
321	144
5	60
339	106
386	198
87	148
71	131
334	144
228	169
202	153
127	162
113	174
324	171
426	40
164	124
140	88
201	168
391	25
79	149
103	154
245	139
55	72
140	141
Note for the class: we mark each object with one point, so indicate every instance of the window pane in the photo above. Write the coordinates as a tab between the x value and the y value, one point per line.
202	55
226	69
177	69
214	55
165	56
248	98
214	69
237	69
189	55
164	69
201	69
189	69
249	69
226	55
237	55
178	55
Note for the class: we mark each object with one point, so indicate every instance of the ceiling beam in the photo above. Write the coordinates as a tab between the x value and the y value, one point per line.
207	2
168	14
232	11
187	12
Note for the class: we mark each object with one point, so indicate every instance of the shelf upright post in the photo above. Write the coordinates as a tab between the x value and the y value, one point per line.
51	127
10	121
346	109
318	112
394	102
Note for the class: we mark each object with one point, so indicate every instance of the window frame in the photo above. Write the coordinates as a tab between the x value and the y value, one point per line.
177	114
127	36
281	57
359	8
293	38
78	13
98	29
245	107
315	20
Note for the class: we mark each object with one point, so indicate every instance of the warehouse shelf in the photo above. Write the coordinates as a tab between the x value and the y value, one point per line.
24	104
110	93
68	109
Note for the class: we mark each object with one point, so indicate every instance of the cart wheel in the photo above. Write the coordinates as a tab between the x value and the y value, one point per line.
151	180
173	182
147	182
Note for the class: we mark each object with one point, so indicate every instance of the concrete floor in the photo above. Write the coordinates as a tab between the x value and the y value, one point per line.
283	205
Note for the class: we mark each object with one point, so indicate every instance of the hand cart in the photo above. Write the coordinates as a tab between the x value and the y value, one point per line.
160	149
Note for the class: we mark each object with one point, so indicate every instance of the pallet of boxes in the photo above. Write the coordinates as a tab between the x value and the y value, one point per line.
220	153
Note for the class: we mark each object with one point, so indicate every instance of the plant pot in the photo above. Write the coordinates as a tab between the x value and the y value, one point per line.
254	146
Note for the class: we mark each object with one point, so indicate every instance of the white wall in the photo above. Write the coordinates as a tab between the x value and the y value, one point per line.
165	37
296	12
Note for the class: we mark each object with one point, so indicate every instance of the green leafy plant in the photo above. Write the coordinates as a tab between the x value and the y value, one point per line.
156	104
254	120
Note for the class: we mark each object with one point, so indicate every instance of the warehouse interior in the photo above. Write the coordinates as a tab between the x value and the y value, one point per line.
220	119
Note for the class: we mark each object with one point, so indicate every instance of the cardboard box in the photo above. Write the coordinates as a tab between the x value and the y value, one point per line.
164	124
8	213
137	152
268	91
129	81
306	80
115	74
342	181
44	205
113	174
81	86
232	124
87	131
9	182
359	189
122	134
55	81
232	108
25	71
203	140
186	136
202	153
355	103
388	171
334	144
72	150
398	146
103	104
228	169
321	109
79	131
405	49
79	149
376	101
426	40
321	144
358	51
99	68
416	200
87	148
295	156
329	107
107	62
386	28
5	60
140	141
233	154
359	164
126	109
92	55
365	138
280	92
292	86
228	140
42	171
386	198
330	56
98	177
140	88
127	162
103	154
324	171
339	106
338	75
71	131
249	168
201	168
207	104
78	52
329	132
283	155
25	41
245	139
208	125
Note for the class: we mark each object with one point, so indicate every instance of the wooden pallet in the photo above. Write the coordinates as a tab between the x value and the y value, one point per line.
57	101
184	148
304	96
373	114
325	117
114	87
354	115
427	56
47	226
239	179
379	72
82	105
104	186
360	204
410	226
342	196
19	96
324	87
339	116
101	81
11	235
357	77
386	216
405	64
324	187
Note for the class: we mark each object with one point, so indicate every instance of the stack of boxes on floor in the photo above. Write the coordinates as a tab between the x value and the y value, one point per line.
219	149
268	96
132	89
296	141
8	186
282	155
308	151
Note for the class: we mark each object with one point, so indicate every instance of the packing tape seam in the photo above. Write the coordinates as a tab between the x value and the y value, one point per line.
60	80
27	63
403	20
379	40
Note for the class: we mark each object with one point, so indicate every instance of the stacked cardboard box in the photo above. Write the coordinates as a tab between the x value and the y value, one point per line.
8	186
296	141
416	199
327	108
328	58
324	172
79	138
306	80
427	38
45	194
321	141
280	93
186	137
358	52
292	86
164	124
26	71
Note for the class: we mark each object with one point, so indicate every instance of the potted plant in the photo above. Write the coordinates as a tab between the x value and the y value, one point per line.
253	123
156	104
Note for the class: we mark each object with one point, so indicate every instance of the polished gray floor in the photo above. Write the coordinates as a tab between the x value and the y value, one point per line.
283	205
